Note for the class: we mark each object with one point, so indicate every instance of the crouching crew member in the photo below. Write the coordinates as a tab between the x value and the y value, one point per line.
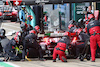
80	45
10	50
61	47
31	42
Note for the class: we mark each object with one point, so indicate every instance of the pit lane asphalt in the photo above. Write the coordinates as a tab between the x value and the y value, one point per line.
35	62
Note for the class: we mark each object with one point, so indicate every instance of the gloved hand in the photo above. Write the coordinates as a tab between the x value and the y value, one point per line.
66	51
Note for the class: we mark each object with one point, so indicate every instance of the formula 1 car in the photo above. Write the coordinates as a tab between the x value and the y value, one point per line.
48	44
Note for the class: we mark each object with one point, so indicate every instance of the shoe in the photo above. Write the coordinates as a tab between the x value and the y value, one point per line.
54	60
22	59
78	58
64	59
42	59
93	61
75	57
6	59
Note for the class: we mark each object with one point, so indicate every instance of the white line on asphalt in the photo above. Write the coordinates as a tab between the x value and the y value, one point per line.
14	23
12	64
11	25
10	29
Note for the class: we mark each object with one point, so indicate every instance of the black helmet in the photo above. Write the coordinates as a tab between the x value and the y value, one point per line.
72	22
23	26
29	27
2	32
80	23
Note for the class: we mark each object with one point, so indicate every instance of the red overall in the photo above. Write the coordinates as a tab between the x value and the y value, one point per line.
94	39
70	26
60	52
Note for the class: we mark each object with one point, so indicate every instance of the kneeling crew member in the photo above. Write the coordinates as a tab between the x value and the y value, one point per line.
31	42
61	47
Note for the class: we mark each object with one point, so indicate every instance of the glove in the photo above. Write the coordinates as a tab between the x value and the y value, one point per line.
66	51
